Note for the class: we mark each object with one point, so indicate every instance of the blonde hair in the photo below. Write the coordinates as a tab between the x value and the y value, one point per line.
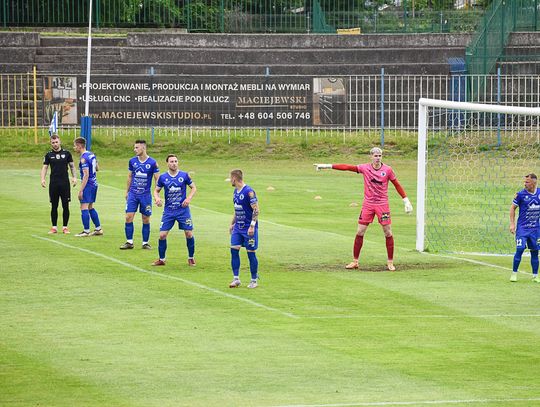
375	150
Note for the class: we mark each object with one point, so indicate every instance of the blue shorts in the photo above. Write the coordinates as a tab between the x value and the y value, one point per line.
527	238
244	240
142	202
183	218
89	194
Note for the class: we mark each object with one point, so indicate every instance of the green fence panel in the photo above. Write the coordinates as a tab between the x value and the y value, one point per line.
252	16
500	19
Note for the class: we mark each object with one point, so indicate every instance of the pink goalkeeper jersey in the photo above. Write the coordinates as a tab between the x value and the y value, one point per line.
376	183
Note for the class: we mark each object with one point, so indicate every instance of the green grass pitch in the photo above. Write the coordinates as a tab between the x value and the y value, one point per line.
85	324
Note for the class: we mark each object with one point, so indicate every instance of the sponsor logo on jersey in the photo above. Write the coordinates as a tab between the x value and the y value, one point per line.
174	188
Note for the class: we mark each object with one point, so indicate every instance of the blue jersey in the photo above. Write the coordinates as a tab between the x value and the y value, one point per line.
88	161
142	174
175	189
529	210
243	211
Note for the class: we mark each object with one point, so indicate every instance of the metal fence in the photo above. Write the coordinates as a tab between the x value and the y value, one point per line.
257	105
243	16
501	18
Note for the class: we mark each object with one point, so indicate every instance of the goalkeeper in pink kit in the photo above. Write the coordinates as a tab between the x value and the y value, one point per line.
376	177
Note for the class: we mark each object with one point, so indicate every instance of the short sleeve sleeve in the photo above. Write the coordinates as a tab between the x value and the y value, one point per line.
46	160
252	197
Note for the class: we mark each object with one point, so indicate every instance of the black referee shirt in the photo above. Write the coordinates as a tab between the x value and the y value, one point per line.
58	161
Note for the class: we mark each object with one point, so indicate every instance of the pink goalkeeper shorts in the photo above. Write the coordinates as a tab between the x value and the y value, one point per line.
369	211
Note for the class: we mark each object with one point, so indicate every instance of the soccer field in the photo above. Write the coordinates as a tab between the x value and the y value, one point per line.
85	324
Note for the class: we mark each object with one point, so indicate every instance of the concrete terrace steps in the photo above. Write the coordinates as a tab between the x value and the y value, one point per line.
251	69
289	57
77	50
81	41
68	59
296	41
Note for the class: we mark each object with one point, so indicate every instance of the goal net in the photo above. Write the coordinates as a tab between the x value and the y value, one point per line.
472	159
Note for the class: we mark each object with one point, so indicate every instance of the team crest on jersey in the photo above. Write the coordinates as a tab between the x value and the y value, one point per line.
385	216
241	196
383	174
147	166
57	156
63	155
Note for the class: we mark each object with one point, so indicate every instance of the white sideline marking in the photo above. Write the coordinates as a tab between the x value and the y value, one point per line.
412	403
188	282
424	316
481	263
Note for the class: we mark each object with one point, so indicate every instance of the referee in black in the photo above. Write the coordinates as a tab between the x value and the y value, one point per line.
58	159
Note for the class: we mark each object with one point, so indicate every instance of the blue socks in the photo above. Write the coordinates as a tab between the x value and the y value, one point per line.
162	248
534	261
253	264
145	232
95	218
85	216
129	231
517	259
235	262
190	243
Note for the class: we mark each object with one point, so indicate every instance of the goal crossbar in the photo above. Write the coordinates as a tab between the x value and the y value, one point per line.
423	105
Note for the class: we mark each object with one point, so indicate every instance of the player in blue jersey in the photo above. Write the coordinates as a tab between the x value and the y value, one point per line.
175	184
142	168
244	228
88	166
528	225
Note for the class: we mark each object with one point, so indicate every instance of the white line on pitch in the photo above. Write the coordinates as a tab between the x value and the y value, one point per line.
424	316
413	403
183	280
481	263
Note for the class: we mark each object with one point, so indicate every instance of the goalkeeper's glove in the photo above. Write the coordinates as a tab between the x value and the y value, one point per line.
319	167
408	205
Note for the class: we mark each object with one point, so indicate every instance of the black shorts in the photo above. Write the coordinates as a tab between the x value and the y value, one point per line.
60	191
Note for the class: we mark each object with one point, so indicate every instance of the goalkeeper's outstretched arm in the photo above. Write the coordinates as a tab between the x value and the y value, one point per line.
403	194
340	167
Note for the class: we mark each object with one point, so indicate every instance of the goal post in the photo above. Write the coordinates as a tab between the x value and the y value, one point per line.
471	160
